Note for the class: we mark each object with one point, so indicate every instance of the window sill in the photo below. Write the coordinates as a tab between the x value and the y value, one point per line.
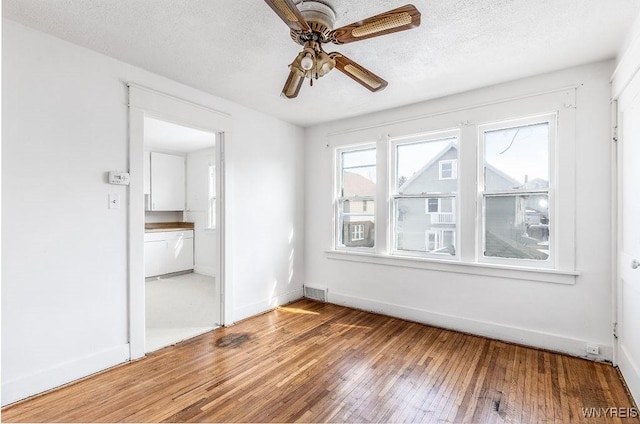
490	270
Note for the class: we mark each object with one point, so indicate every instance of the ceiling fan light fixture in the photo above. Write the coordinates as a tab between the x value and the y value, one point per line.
307	62
311	24
324	63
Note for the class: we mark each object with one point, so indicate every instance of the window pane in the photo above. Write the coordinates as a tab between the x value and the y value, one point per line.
517	226
356	216
517	158
425	225
359	173
427	166
359	181
358	158
357	224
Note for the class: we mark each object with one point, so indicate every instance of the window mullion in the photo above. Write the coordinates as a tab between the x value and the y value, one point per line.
382	245
468	193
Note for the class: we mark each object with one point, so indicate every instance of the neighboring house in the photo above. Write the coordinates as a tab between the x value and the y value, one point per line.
358	225
430	224
515	227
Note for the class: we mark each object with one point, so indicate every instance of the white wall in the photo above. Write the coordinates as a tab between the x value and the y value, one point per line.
562	317
268	178
197	210
64	273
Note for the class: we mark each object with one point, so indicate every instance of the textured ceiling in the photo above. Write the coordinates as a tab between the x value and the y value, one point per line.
239	49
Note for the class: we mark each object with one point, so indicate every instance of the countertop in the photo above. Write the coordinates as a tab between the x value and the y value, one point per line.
156	227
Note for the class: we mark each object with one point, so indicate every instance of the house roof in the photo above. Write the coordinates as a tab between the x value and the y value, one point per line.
355	184
428	165
442	153
503	248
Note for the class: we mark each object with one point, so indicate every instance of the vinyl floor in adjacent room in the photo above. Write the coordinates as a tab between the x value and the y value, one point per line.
178	308
314	362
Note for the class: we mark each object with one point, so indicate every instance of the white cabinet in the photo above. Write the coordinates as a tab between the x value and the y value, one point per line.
167	182
155	258
168	251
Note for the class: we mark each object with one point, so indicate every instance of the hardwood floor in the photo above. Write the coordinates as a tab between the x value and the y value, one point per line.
315	362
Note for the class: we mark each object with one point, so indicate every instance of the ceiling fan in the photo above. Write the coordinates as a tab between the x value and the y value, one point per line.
311	24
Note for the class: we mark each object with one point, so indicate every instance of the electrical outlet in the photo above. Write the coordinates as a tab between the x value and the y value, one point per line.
114	201
593	349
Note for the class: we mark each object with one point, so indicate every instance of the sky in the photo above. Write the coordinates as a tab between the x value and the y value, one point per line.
515	151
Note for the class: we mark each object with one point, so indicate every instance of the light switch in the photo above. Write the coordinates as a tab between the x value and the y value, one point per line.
114	201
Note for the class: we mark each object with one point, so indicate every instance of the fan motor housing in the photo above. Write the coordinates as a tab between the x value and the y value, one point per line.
320	18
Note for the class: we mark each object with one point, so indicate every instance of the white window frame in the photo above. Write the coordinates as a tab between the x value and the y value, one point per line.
551	119
454	169
394	143
357	232
467	120
339	199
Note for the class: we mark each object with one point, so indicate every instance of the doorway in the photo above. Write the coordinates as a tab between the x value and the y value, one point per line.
182	296
204	209
628	249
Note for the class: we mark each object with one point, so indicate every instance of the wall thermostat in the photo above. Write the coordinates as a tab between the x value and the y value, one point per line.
119	178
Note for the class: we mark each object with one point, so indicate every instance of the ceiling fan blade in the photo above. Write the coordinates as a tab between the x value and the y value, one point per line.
289	13
400	19
292	86
359	74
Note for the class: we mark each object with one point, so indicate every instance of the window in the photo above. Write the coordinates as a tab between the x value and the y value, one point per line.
356	190
440	239
515	198
423	201
357	232
448	169
480	192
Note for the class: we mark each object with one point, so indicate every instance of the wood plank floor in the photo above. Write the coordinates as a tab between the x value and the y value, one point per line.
314	362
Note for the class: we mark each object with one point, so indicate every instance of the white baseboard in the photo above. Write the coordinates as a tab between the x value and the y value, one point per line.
631	372
209	271
58	375
553	342
266	305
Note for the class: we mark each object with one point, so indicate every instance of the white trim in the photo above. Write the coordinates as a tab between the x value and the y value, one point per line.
264	305
393	196
147	102
209	271
628	61
60	374
551	119
136	235
523	336
454	110
339	198
481	269
557	101
632	379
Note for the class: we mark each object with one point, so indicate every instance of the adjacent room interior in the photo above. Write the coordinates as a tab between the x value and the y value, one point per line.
364	211
182	298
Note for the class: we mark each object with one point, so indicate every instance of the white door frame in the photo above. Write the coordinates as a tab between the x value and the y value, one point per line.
147	102
628	365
